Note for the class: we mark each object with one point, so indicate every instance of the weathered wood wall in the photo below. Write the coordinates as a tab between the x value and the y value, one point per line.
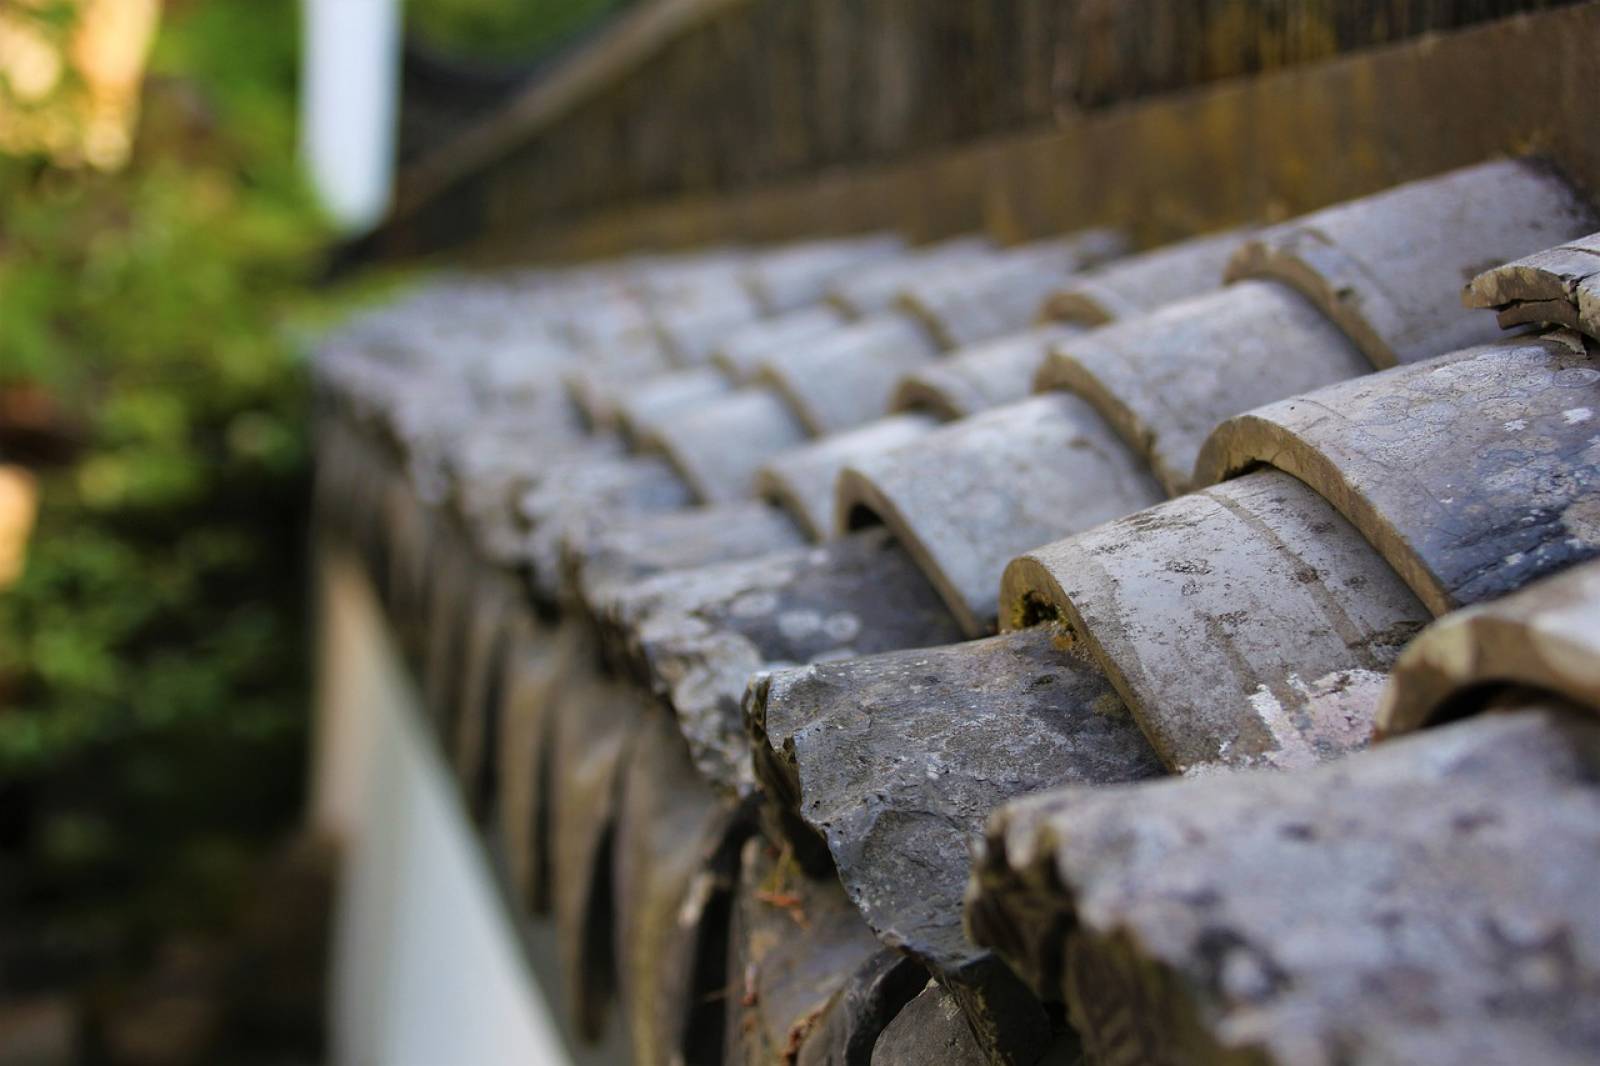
762	118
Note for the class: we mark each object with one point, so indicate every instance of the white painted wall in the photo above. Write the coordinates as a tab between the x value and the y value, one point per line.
428	969
349	105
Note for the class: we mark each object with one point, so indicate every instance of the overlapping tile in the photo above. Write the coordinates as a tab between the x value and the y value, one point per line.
1248	624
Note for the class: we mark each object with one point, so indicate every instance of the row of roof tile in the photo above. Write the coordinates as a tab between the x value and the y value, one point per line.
737	585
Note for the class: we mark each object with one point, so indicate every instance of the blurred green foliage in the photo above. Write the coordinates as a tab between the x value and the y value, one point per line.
501	29
153	682
149	308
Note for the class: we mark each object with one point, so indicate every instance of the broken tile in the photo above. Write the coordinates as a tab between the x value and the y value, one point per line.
1248	624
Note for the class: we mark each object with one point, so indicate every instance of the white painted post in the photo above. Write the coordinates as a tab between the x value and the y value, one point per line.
349	103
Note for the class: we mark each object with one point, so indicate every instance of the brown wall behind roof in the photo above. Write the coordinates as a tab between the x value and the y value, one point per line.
758	119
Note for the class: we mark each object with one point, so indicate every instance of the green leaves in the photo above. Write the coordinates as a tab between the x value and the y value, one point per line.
164	580
153	682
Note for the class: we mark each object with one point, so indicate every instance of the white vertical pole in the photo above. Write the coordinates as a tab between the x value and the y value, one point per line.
349	102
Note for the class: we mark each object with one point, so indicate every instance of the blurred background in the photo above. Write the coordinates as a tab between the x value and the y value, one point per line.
162	256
